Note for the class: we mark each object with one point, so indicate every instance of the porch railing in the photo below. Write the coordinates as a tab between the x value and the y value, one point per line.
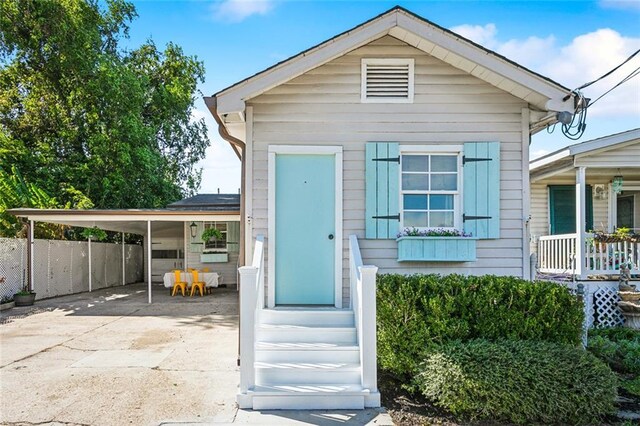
251	306
557	254
363	303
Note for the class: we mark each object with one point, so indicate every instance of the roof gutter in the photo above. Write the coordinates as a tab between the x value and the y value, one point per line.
237	145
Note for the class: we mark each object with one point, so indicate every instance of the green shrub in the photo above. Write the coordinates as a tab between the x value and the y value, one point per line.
417	311
631	385
619	347
518	381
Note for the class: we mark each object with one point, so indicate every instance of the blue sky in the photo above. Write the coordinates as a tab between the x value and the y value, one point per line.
571	42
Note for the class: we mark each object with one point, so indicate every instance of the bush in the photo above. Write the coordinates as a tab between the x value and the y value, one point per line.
518	381
417	311
619	347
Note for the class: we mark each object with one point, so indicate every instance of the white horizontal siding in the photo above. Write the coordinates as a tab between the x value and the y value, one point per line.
322	107
621	155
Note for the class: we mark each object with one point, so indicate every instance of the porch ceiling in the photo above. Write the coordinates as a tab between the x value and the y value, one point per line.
592	174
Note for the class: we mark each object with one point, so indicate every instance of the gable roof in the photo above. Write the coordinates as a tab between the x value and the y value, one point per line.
541	92
604	143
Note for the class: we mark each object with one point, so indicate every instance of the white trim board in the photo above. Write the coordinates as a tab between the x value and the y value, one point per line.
273	150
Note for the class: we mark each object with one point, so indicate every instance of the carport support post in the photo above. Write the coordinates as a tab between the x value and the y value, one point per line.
89	241
149	259
124	280
31	251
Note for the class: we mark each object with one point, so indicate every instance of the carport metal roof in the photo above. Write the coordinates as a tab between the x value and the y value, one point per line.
134	221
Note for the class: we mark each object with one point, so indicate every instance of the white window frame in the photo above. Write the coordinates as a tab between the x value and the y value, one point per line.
208	224
387	61
458	151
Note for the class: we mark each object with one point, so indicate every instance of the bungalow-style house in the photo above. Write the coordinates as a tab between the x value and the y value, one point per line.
593	186
397	123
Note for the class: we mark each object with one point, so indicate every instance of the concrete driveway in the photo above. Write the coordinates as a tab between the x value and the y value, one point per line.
109	358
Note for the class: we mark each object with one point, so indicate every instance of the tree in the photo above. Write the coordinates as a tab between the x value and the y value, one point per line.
80	115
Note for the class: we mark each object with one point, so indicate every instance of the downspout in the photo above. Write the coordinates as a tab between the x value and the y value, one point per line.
238	147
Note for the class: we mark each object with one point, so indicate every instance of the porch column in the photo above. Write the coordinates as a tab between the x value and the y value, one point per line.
581	220
149	259
124	279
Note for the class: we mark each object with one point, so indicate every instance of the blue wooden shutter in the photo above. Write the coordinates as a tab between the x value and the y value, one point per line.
481	189
382	189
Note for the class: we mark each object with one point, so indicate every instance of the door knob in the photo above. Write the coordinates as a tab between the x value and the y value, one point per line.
331	236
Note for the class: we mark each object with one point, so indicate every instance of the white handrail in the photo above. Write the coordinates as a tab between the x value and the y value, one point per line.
363	303
251	305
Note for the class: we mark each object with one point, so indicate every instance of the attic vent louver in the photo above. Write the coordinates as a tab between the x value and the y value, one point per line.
387	80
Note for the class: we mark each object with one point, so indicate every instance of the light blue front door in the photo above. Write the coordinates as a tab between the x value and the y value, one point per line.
305	229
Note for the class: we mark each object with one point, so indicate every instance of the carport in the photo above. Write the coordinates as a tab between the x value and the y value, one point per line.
142	222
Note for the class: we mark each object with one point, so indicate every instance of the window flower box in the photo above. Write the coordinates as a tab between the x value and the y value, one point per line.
436	249
214	257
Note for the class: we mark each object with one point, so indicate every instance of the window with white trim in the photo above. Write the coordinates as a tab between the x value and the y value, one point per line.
388	80
219	244
430	189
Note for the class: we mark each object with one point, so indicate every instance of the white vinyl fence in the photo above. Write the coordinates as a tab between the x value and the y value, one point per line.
62	267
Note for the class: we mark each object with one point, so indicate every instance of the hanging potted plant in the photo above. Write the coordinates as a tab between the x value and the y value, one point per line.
211	234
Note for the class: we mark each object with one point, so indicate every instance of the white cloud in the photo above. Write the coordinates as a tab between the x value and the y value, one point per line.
585	58
481	34
239	10
620	4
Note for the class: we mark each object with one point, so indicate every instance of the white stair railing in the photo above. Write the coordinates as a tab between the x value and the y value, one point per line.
363	303
251	305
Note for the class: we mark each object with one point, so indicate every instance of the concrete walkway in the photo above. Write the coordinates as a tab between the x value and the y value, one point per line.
109	358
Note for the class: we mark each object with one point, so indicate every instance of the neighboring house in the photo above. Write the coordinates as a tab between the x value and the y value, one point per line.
395	123
560	231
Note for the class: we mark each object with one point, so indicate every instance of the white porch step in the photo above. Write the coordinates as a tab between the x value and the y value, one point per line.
307	352
303	373
282	333
308	396
327	317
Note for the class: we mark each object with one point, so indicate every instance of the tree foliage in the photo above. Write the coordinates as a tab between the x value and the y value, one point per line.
81	116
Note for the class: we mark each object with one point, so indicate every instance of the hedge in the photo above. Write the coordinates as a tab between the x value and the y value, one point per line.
519	381
416	311
619	347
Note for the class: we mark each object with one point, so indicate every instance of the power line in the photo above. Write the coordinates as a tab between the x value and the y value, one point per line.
624	80
608	73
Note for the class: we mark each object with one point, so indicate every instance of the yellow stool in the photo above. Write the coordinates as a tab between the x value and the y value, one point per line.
197	284
178	284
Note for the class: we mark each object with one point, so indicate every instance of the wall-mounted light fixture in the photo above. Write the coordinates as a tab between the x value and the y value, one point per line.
194	229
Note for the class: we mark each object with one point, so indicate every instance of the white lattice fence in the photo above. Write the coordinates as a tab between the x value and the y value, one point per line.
606	310
13	261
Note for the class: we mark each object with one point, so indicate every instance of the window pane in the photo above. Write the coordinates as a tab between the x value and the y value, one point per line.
441	219
415	182
415	163
415	202
417	219
440	202
447	182
444	163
